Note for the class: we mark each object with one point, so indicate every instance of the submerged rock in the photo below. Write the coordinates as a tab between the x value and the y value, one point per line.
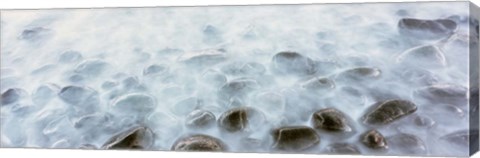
199	143
204	57
406	144
293	63
134	138
135	102
461	138
331	120
426	29
239	119
200	119
12	95
92	68
443	94
385	112
295	138
44	93
359	74
429	56
374	139
342	148
424	121
76	95
154	69
245	69
238	88
213	78
319	84
34	34
70	56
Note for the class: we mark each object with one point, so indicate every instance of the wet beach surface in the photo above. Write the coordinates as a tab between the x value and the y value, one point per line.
370	79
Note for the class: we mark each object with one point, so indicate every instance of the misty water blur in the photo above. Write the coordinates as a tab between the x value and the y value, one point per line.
86	74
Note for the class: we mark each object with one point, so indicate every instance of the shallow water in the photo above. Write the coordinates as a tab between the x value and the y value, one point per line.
77	77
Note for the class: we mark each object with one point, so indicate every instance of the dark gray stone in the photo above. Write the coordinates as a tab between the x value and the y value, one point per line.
238	119
331	120
426	29
295	138
199	143
374	140
139	137
385	112
293	63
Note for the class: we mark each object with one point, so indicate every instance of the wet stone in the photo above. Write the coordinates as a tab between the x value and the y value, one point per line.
374	140
319	84
342	148
134	138
185	106
214	78
200	119
76	95
33	34
238	119
331	120
385	112
293	63
424	121
91	67
426	29
108	85
359	74
12	95
419	77
70	56
295	138
154	70
406	144
238	88
325	66
245	69
44	94
199	143
443	94
460	138
429	56
89	122
203	58
131	82
134	103
76	78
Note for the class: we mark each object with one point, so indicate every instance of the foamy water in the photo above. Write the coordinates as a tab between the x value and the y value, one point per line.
84	75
